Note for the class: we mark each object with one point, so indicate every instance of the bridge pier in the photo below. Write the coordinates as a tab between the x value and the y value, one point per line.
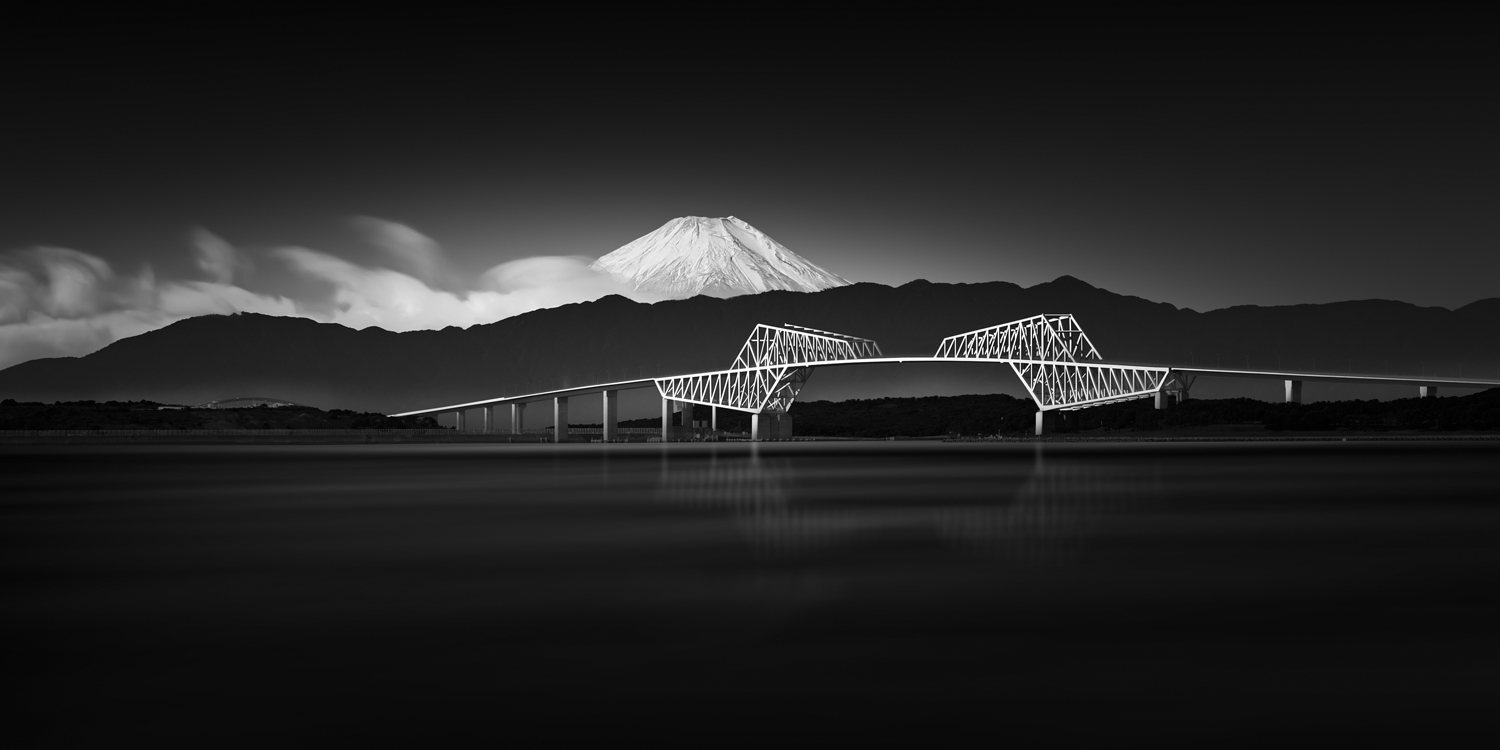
1427	391
517	418
1294	391
611	415
713	419
771	426
488	413
1174	390
460	421
668	408
560	419
1046	421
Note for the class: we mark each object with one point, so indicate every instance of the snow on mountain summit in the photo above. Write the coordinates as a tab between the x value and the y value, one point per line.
718	257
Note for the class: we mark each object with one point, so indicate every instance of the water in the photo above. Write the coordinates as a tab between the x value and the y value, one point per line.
788	593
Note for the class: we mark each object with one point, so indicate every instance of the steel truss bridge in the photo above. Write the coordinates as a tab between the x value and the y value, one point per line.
1060	367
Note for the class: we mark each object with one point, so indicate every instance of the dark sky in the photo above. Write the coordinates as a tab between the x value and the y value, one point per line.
1204	161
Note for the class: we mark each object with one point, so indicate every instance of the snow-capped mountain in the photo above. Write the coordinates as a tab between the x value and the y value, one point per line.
717	257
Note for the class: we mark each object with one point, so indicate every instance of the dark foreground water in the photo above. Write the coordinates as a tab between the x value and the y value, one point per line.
796	594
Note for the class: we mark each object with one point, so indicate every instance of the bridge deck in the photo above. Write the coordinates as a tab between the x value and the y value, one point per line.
1324	377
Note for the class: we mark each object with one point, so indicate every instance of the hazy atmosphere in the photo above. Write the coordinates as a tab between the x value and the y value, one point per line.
381	178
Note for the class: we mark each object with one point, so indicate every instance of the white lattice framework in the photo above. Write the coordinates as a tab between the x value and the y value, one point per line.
789	344
1060	367
1055	338
1055	360
766	377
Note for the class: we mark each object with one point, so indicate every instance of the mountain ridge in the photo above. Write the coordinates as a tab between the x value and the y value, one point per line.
331	366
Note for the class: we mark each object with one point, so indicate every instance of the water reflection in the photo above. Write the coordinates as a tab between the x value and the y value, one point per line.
1063	503
401	590
1034	508
755	490
724	482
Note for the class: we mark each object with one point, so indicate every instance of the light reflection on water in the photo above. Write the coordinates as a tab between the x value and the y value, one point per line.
1060	506
1028	507
882	589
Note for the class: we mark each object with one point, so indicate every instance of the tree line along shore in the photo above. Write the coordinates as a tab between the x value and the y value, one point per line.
933	416
150	415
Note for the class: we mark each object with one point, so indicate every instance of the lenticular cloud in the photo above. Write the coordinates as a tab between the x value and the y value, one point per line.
64	302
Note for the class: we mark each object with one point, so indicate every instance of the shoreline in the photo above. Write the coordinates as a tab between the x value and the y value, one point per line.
417	437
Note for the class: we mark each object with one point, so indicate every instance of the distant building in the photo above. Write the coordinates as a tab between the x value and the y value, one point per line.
247	402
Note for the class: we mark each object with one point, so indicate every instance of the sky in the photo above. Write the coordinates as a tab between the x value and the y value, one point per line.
417	176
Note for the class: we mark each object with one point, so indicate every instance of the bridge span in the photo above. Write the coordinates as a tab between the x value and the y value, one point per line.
1056	362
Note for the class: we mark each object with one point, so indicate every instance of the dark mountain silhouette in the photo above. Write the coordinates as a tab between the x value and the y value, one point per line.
331	366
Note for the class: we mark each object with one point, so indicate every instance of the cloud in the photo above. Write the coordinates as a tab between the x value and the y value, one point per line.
216	257
63	302
412	252
397	301
51	337
548	272
389	299
59	302
52	281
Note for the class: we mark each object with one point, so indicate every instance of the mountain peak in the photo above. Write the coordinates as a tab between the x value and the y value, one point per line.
1073	281
724	257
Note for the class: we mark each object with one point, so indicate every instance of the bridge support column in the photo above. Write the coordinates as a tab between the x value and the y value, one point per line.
713	418
611	415
1294	391
776	426
755	427
560	419
1427	391
489	418
1174	389
517	418
666	420
1046	421
459	420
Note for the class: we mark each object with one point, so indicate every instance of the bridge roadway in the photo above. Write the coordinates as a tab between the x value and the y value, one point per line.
1186	376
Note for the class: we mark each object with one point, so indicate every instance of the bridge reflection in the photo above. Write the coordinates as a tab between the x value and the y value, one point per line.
1034	507
1062	503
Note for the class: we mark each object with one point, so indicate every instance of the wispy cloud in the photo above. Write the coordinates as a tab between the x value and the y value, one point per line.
57	302
408	250
217	258
52	281
64	302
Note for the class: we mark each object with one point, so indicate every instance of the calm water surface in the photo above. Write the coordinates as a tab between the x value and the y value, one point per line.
792	593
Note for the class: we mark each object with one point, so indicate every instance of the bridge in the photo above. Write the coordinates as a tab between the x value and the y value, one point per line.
1059	366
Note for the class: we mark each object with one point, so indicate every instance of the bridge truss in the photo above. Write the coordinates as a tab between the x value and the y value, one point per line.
1060	367
1039	337
1055	360
766	376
